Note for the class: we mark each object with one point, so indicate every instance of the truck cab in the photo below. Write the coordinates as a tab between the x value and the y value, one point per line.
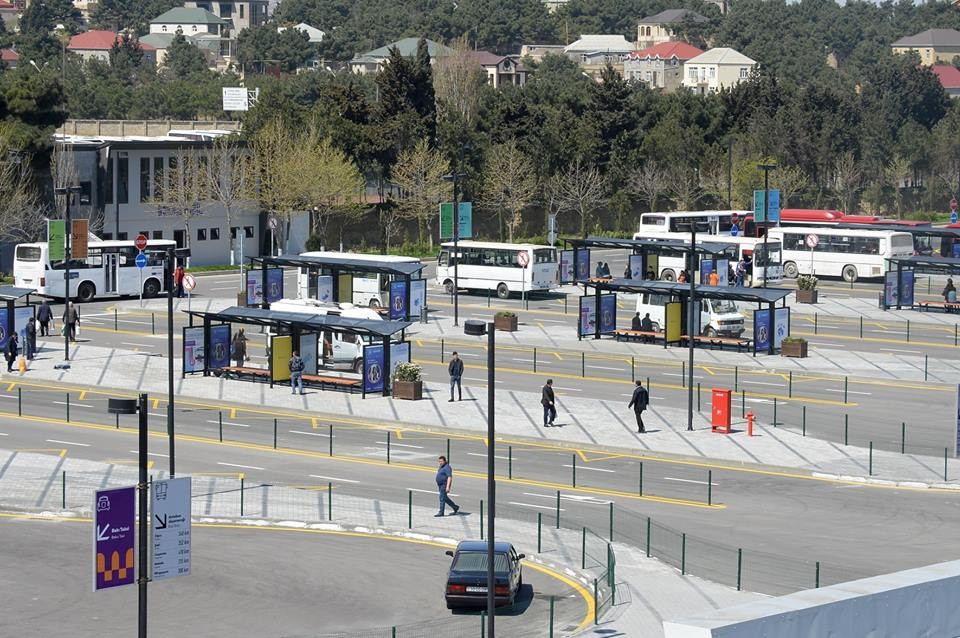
718	317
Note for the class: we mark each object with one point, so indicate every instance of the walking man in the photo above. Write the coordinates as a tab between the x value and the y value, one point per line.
455	368
547	399
444	485
639	402
71	317
44	316
296	373
30	344
12	351
240	347
178	281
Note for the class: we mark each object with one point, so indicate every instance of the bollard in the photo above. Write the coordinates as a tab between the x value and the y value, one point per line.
908	331
510	462
633	370
846	429
20	402
803	421
649	390
388	447
483	624
220	421
564	303
393	632
488	297
774	423
274	433
743	404
683	374
481	519
611	523
903	436
648	537
552	602
448	450
441	350
861	327
816	582
330	437
118	420
241	495
63	485
683	554
539	531
68	407
409	509
115	320
596	616
534	359
814	323
749	423
740	567
954	335
574	466
698	397
583	365
558	509
790	386
329	501
153	325
945	465
926	362
846	383
709	487
736	378
870	464
583	549
641	478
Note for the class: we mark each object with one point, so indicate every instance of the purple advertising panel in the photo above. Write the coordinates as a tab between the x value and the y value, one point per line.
274	284
608	313
219	350
113	537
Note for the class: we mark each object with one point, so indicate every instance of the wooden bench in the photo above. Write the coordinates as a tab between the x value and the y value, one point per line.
335	383
948	306
634	335
741	343
239	372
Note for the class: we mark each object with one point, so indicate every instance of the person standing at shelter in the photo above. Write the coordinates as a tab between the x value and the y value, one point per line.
12	351
626	273
45	316
646	325
455	369
444	485
178	280
639	402
296	366
741	272
949	292
548	401
71	317
635	322
30	345
714	278
606	270
650	276
240	347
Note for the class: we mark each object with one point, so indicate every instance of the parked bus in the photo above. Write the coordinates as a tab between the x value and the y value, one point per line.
719	221
840	252
369	289
109	270
494	266
752	248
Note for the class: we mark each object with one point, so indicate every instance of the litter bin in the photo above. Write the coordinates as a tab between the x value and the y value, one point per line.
720	419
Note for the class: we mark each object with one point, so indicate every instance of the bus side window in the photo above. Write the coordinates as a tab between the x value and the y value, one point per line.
443	259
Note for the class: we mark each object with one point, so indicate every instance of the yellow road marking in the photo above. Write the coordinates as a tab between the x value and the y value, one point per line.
557	355
708	370
61	452
233	413
314	424
156	404
83	395
933	344
11	386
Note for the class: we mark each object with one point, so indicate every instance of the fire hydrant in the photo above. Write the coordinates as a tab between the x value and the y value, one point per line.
749	423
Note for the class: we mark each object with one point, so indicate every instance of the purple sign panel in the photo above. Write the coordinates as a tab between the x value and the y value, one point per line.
113	537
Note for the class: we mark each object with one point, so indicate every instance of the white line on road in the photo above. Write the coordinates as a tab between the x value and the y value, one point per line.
162	415
867	394
139	345
539	507
67	442
8	396
670	478
150	453
4	434
776	385
595	469
605	368
74	405
895	350
394	444
324	434
332	478
239	425
227	288
246	467
413	489
504	458
570	497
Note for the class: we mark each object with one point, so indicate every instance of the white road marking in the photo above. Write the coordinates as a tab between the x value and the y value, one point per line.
332	478
605	368
777	385
670	478
468	354
246	467
74	405
504	458
4	434
324	434
395	444
227	288
139	345
561	391
434	492
907	351
595	469
162	415
570	497
150	453
239	425
8	396
866	394
539	507
67	442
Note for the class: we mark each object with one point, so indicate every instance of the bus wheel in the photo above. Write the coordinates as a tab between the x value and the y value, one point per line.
668	275
86	292
448	287
849	274
502	291
790	270
374	303
151	288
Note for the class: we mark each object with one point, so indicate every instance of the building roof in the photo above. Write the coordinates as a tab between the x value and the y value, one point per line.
673	16
666	51
407	48
721	55
9	55
314	34
485	58
931	38
596	43
948	75
185	15
98	41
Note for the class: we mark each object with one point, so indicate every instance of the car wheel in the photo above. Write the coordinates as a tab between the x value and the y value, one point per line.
502	291
790	270
448	287
668	275
849	274
86	292
358	366
710	332
151	288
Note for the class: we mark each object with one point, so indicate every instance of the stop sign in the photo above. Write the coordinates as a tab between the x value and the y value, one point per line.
140	242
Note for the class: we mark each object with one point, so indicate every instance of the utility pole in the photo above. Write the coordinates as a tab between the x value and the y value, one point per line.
766	168
67	192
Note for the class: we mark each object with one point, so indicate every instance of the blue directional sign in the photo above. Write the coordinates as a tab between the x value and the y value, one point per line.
953	217
734	230
141	260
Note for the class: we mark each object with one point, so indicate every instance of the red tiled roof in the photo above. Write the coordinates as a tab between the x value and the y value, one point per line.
948	75
98	41
9	55
667	50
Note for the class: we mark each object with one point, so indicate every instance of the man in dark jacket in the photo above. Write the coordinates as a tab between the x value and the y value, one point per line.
296	366
547	399
12	351
635	323
455	368
639	402
71	317
45	316
30	345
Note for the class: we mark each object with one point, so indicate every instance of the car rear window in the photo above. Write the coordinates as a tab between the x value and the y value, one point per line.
477	562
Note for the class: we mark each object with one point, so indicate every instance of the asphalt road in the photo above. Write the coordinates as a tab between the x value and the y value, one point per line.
245	581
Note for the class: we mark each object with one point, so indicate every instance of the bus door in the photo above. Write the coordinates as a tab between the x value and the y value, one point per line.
111	271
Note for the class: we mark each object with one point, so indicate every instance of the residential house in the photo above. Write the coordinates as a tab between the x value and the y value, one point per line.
933	45
594	52
553	5
96	44
536	52
200	25
239	13
372	61
208	43
716	69
314	34
500	69
9	58
949	77
660	66
659	28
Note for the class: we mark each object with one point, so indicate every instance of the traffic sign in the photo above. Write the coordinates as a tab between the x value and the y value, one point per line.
953	204
953	217
141	260
140	242
523	258
113	532
734	230
811	241
274	224
171	528
189	282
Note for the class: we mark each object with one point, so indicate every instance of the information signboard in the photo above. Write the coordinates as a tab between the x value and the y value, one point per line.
637	270
171	527
79	232
56	239
566	266
465	220
398	299
772	213
418	296
114	561
781	326
373	372
588	315
325	288
194	351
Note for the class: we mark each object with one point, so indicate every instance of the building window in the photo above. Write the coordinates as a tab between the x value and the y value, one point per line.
121	236
744	72
158	234
692	73
241	12
214	234
123	179
163	28
649	76
713	72
86	191
226	10
193	28
159	183
107	236
248	232
144	179
201	234
108	182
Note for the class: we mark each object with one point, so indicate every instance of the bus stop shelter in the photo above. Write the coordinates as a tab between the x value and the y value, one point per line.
15	317
764	317
207	347
900	280
266	275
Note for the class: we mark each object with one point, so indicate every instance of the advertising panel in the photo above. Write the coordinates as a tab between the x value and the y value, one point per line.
398	300
373	367
566	266
274	284
583	264
114	561
56	239
723	271
907	282
325	288
674	320
781	325
890	294
706	267
254	288
22	317
308	352
219	346
588	315
608	313
80	229
281	349
761	330
193	349
4	334
637	267
418	296
345	288
399	353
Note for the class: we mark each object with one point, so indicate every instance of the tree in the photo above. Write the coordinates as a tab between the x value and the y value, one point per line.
229	179
41	16
458	82
259	47
579	190
790	180
129	14
649	182
419	174
946	157
21	211
897	172
183	59
336	184
184	192
847	180
683	184
509	185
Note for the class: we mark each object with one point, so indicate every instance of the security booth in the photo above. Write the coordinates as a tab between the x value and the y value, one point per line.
287	332
13	317
900	281
378	281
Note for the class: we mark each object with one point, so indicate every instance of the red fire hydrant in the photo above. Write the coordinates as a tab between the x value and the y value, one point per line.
749	423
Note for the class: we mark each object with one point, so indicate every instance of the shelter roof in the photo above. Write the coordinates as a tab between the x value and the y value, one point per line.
342	263
304	322
733	293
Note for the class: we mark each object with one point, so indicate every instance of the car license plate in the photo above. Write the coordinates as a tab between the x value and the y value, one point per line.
476	590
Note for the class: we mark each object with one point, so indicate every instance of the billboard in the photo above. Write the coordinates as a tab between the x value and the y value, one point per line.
674	320
781	325
193	349
308	352
761	329
398	299
588	315
114	561
637	270
219	346
255	286
608	313
235	98
373	367
890	292
56	239
325	288
583	264
566	266
418	296
274	284
907	283
399	353
281	349
465	220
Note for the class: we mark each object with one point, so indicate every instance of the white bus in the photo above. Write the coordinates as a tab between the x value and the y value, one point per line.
369	289
719	221
493	266
763	268
850	254
109	270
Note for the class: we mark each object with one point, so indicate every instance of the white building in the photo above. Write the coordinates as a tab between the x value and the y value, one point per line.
716	69
239	13
314	34
189	22
659	28
599	49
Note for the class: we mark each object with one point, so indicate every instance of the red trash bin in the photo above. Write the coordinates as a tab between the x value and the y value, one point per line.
720	419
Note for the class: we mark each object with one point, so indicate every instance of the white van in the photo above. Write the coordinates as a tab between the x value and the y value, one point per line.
718	317
339	349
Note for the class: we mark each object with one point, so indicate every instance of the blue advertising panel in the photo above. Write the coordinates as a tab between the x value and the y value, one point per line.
325	288
608	313
907	282
4	335
723	271
21	317
781	326
373	372
274	284
418	296
706	267
637	270
588	315
761	329
193	350
890	288
398	299
583	264
566	266
220	346
465	220
254	288
399	353
773	206
113	535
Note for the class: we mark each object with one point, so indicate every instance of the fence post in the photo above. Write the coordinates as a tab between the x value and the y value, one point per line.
481	519
68	407
641	478
329	501
63	485
393	632
648	537
814	323
574	466
739	567
534	358
683	554
509	462
596	612
539	530
954	335
115	320
448	449
803	420
816	582
870	464
649	390
790	386
846	383
558	509
698	397
20	402
774	423
743	404
388	447
846	429
861	327
583	365
330	436
153	325
903	436
583	549
683	374
709	487
926	363
633	370
274	433
908	331
611	521
409	509
736	378
241	495
552	602
220	422
945	465
441	350
117	420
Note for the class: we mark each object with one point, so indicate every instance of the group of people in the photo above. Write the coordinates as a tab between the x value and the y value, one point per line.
71	321
603	272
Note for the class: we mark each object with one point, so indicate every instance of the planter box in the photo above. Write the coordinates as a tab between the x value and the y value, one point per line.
507	324
807	296
410	390
794	349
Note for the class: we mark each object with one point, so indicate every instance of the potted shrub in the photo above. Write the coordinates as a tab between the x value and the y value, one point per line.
807	289
793	347
407	383
505	320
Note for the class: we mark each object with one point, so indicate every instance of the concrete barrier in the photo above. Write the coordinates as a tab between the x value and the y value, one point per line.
918	602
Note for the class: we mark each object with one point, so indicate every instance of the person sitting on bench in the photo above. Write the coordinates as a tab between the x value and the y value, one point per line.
646	324
636	322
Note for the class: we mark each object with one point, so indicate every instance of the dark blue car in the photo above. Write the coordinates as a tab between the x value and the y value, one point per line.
467	580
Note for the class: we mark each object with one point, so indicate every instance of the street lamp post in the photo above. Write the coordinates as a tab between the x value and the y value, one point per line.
67	191
455	178
478	328
171	265
691	322
766	168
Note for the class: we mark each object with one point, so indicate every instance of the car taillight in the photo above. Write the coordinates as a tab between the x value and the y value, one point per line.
456	589
501	590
